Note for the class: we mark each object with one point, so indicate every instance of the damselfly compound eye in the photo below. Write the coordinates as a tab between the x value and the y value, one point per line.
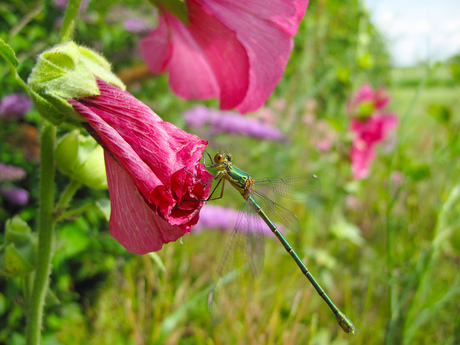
218	158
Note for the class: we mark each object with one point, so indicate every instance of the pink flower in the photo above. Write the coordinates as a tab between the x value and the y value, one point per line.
235	51
365	101
154	199
370	125
368	133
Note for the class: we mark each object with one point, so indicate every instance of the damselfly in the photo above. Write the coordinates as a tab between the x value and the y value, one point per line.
247	187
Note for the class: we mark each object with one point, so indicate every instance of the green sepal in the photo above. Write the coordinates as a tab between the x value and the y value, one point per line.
18	255
8	54
81	158
365	109
178	8
67	71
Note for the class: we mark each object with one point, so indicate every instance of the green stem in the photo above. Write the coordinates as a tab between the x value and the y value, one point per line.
74	212
70	18
67	196
46	223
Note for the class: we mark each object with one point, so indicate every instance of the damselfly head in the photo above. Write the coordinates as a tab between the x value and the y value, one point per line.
220	157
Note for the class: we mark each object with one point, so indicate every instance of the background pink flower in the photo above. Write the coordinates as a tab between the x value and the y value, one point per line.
235	51
365	101
147	161
369	130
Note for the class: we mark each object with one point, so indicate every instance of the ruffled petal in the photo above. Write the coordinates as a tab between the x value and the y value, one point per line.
132	222
158	157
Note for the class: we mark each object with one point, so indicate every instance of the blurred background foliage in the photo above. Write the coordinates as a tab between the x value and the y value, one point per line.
386	248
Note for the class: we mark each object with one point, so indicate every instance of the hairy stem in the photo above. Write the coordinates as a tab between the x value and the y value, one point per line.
46	224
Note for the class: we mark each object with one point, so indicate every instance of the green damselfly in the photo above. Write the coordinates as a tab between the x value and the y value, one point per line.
246	186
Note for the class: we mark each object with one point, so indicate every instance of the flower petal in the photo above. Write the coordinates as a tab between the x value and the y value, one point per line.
157	47
265	29
198	65
142	174
236	51
132	222
151	150
361	158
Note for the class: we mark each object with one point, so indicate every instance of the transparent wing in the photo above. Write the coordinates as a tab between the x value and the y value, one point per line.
294	187
278	213
244	253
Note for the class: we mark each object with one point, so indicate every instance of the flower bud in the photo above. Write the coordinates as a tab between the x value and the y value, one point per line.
82	159
67	71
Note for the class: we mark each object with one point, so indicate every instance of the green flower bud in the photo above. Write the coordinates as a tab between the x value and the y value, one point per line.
67	71
19	253
365	109
82	159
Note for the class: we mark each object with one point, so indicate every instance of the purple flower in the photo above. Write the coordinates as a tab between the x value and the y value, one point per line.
11	173
137	26
62	4
14	106
16	196
231	123
223	218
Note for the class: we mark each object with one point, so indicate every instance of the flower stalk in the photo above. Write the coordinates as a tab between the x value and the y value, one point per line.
70	18
46	218
46	224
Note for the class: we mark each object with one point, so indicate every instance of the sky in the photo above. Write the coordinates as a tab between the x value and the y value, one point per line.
418	30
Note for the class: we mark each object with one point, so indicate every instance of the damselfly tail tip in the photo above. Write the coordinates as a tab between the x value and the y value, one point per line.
346	324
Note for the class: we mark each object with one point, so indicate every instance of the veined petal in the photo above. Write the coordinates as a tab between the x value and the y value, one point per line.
265	31
234	50
132	222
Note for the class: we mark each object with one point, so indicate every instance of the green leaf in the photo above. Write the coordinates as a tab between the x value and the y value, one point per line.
156	258
18	254
440	112
15	264
8	54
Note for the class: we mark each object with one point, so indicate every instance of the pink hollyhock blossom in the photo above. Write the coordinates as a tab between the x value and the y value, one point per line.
370	124
368	133
147	161
366	101
235	51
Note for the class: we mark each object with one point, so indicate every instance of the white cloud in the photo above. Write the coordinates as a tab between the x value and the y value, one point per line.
418	29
